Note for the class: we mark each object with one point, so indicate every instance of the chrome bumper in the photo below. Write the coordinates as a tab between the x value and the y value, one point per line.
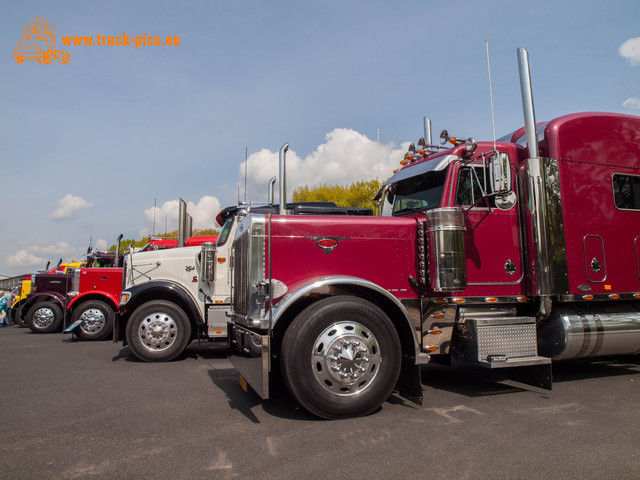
249	353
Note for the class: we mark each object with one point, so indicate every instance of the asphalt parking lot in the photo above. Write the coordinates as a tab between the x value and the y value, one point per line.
75	410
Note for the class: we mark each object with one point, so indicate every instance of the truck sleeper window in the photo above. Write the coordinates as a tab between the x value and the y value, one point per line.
626	191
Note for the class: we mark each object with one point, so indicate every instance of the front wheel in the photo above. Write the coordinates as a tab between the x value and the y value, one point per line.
341	357
158	331
44	317
97	320
47	58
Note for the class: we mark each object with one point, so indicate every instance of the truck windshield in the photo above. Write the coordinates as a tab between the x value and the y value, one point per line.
226	229
419	193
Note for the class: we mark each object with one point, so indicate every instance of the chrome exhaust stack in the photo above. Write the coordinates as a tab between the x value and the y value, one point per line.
270	190
427	131
115	264
283	179
182	221
527	102
543	189
536	177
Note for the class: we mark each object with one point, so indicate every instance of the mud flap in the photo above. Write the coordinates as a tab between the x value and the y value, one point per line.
409	383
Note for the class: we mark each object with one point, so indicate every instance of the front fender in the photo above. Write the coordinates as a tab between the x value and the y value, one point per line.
94	295
158	290
392	306
34	298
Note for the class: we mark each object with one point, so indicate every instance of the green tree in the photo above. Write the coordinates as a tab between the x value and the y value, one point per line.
358	194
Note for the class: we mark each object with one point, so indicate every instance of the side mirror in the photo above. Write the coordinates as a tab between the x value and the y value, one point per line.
500	170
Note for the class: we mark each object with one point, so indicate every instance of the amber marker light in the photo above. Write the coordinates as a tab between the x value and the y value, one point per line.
221	260
403	162
614	296
441	300
459	300
430	348
434	331
637	295
438	315
588	297
491	299
523	299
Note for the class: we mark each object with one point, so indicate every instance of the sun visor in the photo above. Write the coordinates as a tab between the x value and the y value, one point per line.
435	165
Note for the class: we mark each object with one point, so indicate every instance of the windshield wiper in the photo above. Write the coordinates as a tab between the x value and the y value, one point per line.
410	210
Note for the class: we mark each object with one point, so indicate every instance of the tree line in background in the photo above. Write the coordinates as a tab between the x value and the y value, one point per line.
358	194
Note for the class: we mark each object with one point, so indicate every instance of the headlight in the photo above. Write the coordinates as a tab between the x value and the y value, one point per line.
125	297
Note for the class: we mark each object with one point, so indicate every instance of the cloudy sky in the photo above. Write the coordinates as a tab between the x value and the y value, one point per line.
86	148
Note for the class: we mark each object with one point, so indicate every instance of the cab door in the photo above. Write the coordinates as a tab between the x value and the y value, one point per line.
492	239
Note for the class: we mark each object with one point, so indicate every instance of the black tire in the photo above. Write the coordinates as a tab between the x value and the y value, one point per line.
44	317
332	357
97	320
158	331
17	318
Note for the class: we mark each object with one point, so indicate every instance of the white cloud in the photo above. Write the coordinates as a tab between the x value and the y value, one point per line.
345	157
68	206
631	50
101	244
203	214
39	255
632	102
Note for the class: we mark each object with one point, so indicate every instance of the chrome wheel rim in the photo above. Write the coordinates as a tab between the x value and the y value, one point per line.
43	317
157	331
93	320
345	358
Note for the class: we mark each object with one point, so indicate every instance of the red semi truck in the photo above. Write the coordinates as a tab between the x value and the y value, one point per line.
504	255
89	294
86	300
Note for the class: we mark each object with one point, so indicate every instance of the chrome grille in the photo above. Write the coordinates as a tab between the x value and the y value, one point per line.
240	292
249	271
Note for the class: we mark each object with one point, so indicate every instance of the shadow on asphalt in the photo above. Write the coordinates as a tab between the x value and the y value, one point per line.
205	350
280	404
479	382
572	370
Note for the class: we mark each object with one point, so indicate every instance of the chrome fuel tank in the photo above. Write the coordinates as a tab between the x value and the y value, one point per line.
590	330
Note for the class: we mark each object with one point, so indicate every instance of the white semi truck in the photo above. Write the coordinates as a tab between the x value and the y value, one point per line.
171	297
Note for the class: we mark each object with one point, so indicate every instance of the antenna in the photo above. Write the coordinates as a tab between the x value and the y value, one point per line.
378	177
154	216
246	151
493	123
